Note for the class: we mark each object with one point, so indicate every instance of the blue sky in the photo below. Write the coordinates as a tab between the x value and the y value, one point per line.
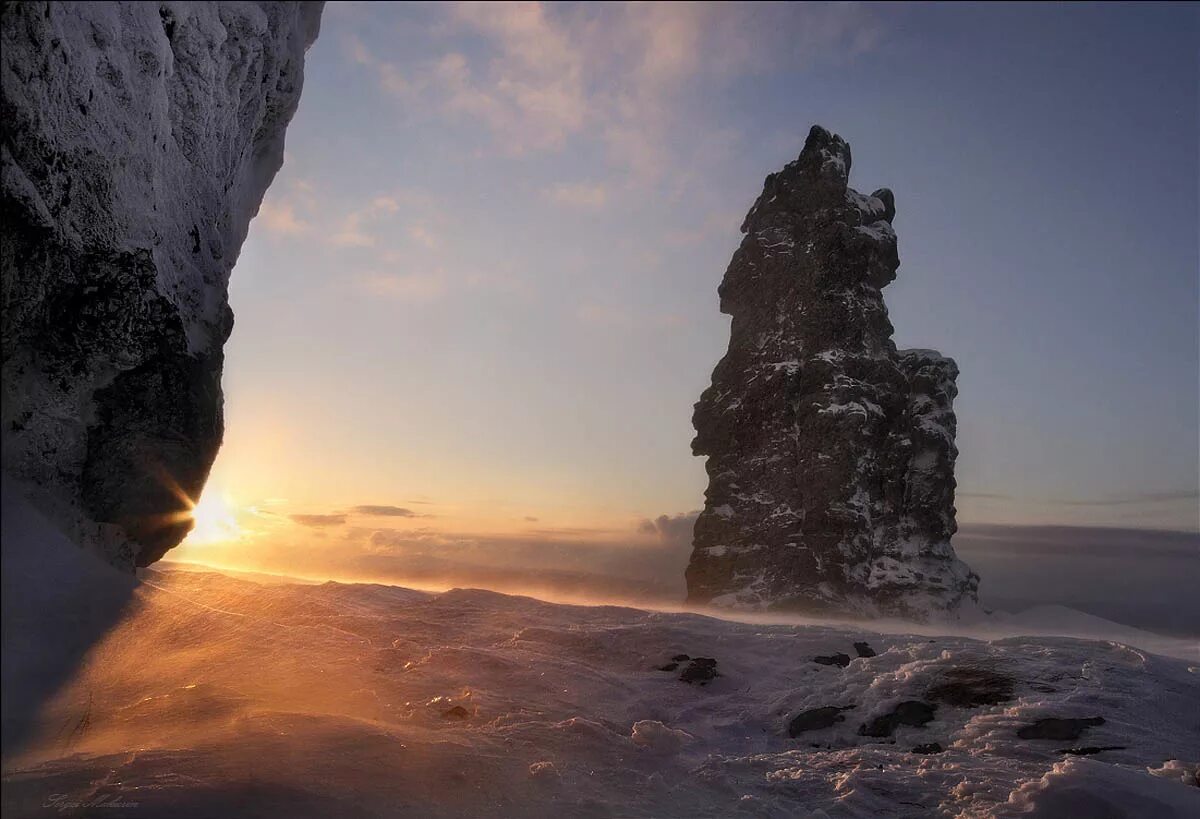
484	283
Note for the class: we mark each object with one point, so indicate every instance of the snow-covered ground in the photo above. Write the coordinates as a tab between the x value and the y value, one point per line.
220	696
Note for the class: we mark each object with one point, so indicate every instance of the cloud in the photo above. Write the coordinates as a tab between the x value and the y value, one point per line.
318	520
384	511
604	316
281	218
1082	542
674	530
580	195
423	235
1136	499
357	228
351	233
580	559
632	77
531	93
420	288
389	76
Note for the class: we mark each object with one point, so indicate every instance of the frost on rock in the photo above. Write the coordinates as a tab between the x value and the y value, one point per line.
830	452
139	139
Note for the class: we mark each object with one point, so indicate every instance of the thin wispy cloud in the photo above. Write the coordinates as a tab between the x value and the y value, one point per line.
281	218
358	228
621	74
1138	499
581	195
318	521
1134	500
419	288
383	510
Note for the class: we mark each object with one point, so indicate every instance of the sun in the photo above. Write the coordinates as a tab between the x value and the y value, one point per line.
214	519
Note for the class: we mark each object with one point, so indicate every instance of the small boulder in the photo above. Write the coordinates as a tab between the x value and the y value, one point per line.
910	712
929	748
1057	728
668	667
815	719
864	650
680	658
1089	750
457	712
700	671
840	660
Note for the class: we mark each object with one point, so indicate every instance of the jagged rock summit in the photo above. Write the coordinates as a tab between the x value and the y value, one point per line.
830	452
138	141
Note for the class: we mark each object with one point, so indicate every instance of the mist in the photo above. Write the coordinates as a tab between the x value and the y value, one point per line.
1137	577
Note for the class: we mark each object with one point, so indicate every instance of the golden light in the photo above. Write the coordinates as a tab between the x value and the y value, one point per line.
214	519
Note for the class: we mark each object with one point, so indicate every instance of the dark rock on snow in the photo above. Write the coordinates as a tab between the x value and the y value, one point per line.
911	712
1090	750
864	650
830	452
816	719
700	671
1058	728
840	660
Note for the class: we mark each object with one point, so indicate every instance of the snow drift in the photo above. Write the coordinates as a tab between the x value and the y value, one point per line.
218	696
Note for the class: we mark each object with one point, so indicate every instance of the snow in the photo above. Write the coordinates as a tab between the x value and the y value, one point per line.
214	693
54	593
206	694
650	733
834	162
1086	787
879	231
865	408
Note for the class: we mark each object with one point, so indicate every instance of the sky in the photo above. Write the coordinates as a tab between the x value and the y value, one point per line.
479	300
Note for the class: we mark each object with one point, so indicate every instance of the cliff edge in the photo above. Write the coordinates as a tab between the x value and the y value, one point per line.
139	139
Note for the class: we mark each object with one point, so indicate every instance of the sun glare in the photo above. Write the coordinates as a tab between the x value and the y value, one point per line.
214	519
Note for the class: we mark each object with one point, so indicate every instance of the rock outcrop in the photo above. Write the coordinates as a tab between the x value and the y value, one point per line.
830	452
138	141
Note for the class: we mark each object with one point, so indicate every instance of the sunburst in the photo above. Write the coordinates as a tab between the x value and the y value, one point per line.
214	518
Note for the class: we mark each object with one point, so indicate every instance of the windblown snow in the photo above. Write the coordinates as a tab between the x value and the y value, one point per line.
216	694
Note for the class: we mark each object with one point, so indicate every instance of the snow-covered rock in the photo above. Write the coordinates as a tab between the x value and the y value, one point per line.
830	453
139	139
